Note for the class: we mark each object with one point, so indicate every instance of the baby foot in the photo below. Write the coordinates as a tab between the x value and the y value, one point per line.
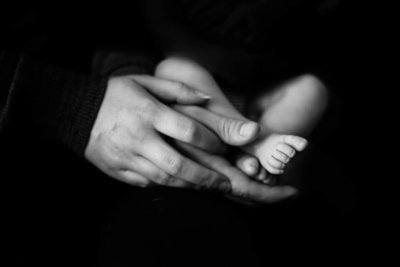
274	151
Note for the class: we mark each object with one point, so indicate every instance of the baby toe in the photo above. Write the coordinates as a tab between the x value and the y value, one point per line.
274	166
262	175
282	157
296	142
286	149
273	162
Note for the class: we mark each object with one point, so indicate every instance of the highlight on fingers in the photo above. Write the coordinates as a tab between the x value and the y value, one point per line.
171	91
132	178
232	131
180	127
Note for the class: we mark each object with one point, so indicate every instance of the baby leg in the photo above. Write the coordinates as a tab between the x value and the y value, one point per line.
293	108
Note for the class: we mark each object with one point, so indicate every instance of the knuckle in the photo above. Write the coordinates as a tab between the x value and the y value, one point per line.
179	86
205	181
147	109
164	179
225	127
189	130
117	154
174	165
208	180
144	183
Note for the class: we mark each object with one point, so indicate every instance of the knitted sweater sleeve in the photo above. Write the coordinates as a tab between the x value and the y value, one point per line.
48	100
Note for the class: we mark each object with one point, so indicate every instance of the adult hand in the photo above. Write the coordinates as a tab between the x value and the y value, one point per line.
126	141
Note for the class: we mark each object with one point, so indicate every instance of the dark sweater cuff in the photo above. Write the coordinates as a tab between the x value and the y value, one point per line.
120	62
59	104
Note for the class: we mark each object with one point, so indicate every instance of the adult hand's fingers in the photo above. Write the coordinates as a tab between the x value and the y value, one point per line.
136	179
242	186
188	130
176	165
132	178
232	131
124	122
172	91
149	170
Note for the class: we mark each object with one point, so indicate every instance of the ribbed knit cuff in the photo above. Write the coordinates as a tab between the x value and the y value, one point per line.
54	102
118	63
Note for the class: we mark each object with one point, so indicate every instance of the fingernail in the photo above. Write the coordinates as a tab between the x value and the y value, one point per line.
225	187
248	129
202	95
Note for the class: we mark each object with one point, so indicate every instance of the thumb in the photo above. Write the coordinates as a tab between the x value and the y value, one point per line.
236	132
172	91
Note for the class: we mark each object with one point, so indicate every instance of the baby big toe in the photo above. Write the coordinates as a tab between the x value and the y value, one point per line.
248	164
297	142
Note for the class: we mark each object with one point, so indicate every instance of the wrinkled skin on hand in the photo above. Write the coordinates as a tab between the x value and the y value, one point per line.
127	140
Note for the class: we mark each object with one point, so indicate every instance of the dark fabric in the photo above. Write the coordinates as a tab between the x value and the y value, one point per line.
59	210
64	212
46	83
60	104
249	44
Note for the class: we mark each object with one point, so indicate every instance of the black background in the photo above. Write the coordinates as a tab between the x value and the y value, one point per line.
57	217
